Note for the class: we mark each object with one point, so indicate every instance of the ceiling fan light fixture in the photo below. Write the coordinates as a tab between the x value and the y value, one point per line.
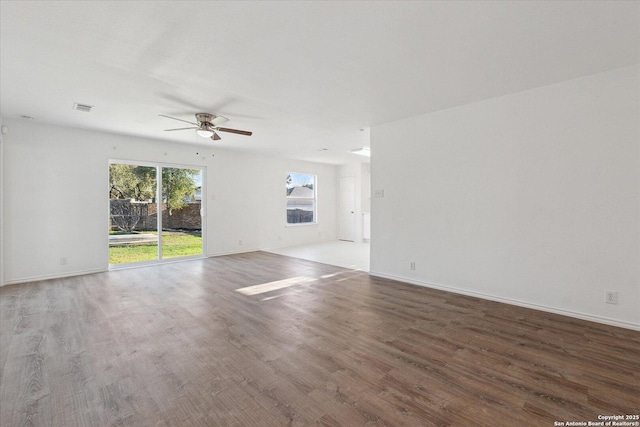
204	132
208	125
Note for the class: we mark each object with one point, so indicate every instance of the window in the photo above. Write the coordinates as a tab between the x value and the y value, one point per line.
301	198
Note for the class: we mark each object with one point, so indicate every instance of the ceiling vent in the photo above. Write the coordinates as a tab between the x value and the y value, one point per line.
82	107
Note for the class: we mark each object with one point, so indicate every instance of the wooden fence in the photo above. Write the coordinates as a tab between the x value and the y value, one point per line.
127	215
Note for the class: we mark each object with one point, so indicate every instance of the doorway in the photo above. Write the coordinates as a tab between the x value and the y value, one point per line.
155	213
347	208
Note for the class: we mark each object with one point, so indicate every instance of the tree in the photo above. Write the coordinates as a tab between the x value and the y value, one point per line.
139	183
289	186
125	215
129	184
132	182
178	185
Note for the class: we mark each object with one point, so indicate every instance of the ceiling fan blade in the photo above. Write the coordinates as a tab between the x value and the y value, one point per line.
219	120
239	132
216	137
167	130
169	117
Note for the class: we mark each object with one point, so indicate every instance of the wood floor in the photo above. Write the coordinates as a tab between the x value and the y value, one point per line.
260	339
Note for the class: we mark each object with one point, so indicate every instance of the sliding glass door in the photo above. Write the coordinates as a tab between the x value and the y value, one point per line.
181	212
145	198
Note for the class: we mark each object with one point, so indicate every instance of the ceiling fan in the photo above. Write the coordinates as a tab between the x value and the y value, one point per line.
208	125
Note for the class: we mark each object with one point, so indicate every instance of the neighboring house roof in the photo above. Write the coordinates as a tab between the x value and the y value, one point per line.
302	192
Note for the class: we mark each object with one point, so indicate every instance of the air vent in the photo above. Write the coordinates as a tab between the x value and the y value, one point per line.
82	107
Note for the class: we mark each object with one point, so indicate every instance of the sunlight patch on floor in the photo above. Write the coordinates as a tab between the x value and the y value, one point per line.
274	286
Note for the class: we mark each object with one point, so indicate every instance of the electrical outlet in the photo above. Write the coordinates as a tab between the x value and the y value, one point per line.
378	194
412	265
63	260
611	297
239	242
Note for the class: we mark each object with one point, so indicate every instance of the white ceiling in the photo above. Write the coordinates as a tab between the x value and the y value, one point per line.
303	76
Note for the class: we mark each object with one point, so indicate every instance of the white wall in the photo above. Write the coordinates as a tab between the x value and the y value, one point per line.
258	184
1	203
56	188
365	196
531	198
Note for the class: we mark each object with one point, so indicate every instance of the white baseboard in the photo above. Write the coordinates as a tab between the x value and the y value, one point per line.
53	276
569	313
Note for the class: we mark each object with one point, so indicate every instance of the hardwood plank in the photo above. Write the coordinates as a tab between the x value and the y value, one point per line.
262	339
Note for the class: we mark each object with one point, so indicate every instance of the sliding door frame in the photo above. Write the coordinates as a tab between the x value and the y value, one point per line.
203	212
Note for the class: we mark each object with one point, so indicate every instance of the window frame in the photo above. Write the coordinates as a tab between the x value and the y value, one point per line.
314	201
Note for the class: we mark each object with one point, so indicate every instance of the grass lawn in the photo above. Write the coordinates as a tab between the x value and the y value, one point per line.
174	244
